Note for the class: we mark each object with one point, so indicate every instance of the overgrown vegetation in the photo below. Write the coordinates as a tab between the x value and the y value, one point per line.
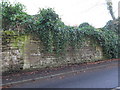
54	34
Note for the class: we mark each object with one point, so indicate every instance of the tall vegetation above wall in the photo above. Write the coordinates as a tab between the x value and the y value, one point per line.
55	35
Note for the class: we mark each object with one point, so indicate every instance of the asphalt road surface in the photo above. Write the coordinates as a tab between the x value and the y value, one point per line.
105	77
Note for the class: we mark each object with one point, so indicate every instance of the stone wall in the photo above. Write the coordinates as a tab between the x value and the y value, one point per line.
12	59
32	56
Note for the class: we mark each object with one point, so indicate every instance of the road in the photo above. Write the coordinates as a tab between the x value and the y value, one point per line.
104	77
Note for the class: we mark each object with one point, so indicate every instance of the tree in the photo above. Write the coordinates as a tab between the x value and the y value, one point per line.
110	8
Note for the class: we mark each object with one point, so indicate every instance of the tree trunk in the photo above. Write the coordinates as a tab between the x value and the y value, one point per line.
110	8
111	12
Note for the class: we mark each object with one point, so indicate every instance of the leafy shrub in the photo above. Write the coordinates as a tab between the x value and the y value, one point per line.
54	34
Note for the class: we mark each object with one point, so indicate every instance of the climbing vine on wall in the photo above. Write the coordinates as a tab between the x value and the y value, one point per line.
56	36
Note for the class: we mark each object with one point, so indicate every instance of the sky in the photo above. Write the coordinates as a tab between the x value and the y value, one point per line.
74	12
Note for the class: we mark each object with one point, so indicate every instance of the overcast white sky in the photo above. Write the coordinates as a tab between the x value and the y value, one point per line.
74	12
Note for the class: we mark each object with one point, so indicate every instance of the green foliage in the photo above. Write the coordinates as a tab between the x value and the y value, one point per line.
85	24
112	25
56	36
53	33
107	39
12	15
45	26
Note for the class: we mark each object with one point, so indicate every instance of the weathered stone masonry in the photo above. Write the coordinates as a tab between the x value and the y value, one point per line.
32	57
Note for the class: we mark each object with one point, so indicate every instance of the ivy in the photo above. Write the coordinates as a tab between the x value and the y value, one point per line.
54	34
